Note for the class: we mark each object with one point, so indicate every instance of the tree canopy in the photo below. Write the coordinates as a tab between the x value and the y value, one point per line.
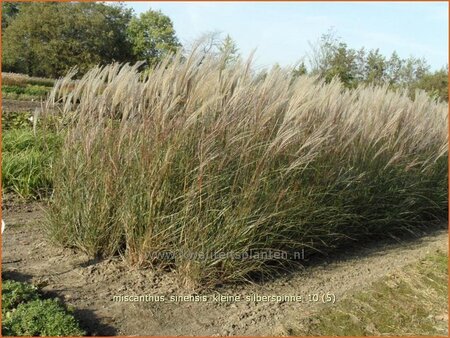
330	57
9	12
47	39
152	36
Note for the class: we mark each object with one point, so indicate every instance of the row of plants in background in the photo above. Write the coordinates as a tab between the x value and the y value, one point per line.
212	162
26	313
23	80
28	92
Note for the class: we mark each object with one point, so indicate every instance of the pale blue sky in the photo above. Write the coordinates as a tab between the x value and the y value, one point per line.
280	31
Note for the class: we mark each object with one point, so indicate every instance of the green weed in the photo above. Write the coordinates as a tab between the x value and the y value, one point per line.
22	80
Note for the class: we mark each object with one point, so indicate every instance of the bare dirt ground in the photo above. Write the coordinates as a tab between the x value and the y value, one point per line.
19	106
89	285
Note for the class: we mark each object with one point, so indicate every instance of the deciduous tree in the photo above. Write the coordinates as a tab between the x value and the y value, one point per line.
152	36
47	39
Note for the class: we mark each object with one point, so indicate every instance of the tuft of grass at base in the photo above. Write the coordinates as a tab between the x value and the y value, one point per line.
412	302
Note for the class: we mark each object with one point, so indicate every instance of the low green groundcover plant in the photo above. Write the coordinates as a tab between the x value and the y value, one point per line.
24	313
15	293
41	318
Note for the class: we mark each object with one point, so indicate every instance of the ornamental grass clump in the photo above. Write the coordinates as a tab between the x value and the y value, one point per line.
200	166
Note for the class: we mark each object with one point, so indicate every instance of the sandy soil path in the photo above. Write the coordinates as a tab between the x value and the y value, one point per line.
18	105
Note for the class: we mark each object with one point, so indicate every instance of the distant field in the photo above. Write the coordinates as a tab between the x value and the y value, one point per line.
23	87
27	155
22	80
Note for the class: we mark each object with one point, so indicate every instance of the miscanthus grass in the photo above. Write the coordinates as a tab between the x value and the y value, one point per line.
197	164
